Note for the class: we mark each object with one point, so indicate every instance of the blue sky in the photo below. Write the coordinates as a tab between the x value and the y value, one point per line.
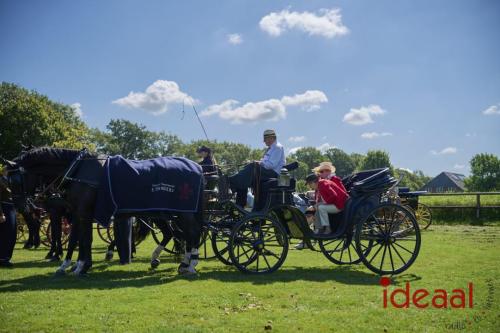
419	79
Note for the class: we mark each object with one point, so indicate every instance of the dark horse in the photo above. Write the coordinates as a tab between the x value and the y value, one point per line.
78	174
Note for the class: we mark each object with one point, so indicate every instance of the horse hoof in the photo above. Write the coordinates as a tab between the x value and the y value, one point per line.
109	256
155	263
60	272
186	271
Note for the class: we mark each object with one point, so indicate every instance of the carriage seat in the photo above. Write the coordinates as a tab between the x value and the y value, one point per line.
270	193
211	180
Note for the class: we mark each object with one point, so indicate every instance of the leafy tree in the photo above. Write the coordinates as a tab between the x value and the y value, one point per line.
357	160
230	156
344	164
413	180
376	159
308	158
28	118
134	141
485	173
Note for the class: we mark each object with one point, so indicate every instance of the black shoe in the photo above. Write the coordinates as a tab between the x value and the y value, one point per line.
6	264
27	246
49	255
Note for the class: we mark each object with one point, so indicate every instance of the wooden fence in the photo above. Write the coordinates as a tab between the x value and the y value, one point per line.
477	206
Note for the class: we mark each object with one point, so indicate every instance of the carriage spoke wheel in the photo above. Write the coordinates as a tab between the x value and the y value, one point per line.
424	216
342	251
388	239
22	229
205	248
45	234
258	245
104	232
220	245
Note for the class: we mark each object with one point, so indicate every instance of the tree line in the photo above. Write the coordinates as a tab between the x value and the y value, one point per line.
29	118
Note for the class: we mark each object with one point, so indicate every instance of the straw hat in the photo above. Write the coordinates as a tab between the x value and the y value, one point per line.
324	166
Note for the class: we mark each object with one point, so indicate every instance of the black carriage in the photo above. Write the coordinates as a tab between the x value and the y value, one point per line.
384	236
409	199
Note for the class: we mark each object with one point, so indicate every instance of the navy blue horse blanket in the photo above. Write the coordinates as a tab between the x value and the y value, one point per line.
160	184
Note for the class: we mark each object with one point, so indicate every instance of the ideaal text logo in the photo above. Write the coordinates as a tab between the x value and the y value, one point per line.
423	298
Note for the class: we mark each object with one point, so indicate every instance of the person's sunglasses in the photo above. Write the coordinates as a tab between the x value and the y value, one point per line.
323	171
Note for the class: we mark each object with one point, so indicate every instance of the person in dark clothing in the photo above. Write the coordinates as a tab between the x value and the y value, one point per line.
32	219
56	208
207	163
8	223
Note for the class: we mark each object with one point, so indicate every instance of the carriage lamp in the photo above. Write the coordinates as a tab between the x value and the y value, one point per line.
284	178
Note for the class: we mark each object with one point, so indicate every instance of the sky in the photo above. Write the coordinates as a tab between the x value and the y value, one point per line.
418	79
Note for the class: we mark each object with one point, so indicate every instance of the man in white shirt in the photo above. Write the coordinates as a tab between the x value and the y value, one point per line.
269	166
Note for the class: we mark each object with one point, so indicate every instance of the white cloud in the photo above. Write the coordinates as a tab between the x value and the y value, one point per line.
234	39
293	150
297	139
406	169
493	110
326	23
459	166
325	146
324	137
470	135
268	110
363	115
445	151
157	98
374	135
77	108
309	101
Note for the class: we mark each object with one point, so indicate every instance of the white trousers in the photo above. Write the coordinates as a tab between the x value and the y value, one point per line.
322	214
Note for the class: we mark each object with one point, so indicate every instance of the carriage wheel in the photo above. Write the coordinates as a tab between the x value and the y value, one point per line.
204	249
341	251
104	232
22	229
66	231
220	245
258	245
46	229
45	237
388	239
424	216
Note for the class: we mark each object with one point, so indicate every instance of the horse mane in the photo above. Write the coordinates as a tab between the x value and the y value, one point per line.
46	156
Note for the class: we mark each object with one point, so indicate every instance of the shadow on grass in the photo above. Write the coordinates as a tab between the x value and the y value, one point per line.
101	279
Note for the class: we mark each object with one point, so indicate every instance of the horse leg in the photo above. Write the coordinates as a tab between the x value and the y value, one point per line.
84	246
110	250
72	242
167	236
123	238
56	233
192	231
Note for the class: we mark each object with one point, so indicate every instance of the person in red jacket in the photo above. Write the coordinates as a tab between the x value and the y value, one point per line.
330	199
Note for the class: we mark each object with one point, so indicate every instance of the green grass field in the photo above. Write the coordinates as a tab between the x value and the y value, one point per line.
308	294
455	200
